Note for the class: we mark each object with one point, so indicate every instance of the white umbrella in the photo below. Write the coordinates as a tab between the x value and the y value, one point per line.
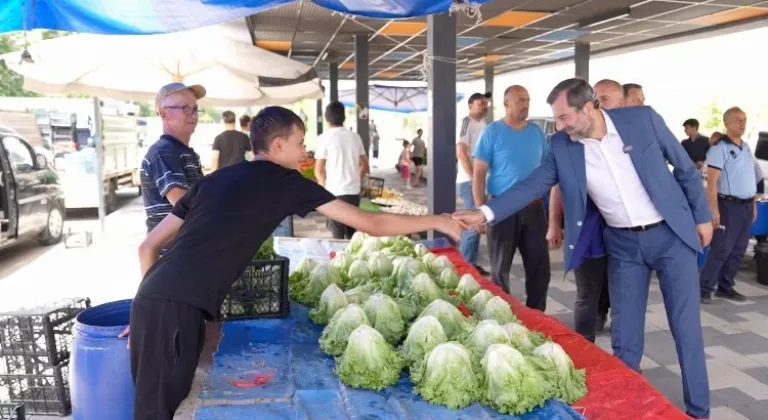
134	67
403	99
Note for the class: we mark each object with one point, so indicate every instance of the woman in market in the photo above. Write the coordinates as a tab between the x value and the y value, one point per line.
213	233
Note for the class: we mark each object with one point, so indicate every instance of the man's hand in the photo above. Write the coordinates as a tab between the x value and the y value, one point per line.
471	219
555	236
715	219
705	232
125	333
450	227
699	165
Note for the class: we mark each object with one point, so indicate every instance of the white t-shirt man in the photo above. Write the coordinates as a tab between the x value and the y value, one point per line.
469	134
342	149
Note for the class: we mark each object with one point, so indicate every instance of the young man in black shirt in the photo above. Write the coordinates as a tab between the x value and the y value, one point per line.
229	147
695	145
213	233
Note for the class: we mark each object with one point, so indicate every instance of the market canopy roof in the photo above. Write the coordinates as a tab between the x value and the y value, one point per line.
403	99
512	34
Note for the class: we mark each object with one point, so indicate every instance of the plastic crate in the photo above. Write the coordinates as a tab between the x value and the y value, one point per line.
373	188
43	393
260	292
33	340
12	412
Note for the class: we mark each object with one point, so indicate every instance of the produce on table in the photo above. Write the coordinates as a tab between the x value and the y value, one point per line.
467	288
266	250
484	334
510	383
423	336
498	309
331	301
368	360
384	315
370	292
446	376
334	338
448	278
522	338
569	383
478	301
455	324
321	277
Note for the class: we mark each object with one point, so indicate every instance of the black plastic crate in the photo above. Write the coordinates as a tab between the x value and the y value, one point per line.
260	292
33	340
43	393
12	412
373	188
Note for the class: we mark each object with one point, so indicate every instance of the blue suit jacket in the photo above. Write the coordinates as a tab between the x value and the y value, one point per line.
679	195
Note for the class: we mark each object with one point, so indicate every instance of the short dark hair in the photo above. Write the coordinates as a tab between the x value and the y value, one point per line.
691	122
244	120
335	113
228	117
629	86
406	143
578	93
272	122
477	96
419	131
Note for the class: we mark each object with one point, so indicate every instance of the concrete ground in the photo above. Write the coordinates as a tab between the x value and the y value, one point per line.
735	334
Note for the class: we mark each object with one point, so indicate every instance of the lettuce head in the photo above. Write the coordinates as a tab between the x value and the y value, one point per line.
569	383
423	336
478	301
511	384
446	376
358	273
384	315
331	301
455	324
334	338
467	287
368	361
484	334
522	338
499	310
320	278
359	294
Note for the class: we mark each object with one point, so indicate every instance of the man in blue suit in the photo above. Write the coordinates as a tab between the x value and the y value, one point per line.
620	198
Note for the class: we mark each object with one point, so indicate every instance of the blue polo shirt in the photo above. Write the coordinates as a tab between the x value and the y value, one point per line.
511	154
168	163
737	168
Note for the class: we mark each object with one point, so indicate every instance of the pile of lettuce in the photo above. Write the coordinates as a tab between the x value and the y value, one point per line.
389	304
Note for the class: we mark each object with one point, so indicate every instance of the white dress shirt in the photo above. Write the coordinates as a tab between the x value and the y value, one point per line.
612	182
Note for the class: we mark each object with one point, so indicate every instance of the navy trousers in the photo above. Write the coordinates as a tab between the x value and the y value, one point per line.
631	258
729	243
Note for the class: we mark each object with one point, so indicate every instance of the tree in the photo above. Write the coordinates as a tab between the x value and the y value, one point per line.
11	83
146	110
50	34
713	117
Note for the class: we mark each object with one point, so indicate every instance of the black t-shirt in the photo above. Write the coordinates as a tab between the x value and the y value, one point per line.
697	149
232	145
227	216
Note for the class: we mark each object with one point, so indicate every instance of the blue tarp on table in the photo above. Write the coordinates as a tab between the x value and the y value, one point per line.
142	17
304	385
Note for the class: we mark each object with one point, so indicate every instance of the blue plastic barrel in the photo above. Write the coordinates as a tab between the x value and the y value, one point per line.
100	370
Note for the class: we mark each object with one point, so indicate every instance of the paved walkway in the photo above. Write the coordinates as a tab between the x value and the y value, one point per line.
735	334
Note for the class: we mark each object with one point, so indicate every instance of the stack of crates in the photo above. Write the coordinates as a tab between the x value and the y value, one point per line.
260	292
34	356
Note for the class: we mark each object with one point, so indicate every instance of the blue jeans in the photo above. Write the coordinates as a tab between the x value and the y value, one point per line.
470	239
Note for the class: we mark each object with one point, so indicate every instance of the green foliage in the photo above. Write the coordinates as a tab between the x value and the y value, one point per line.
713	117
11	83
146	110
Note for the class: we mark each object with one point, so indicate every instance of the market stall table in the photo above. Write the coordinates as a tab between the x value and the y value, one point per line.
300	382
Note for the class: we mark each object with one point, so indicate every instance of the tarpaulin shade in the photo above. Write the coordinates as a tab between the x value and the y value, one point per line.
393	98
142	17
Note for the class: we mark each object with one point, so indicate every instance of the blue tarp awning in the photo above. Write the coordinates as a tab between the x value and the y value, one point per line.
144	17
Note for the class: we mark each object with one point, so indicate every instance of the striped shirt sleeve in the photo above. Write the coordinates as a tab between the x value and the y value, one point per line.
464	131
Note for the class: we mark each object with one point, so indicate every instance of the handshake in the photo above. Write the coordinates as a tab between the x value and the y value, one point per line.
453	224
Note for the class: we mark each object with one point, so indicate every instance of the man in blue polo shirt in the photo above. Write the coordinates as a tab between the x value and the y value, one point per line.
507	152
171	167
731	193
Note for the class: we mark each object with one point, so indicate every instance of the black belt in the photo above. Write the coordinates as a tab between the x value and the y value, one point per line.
643	228
736	199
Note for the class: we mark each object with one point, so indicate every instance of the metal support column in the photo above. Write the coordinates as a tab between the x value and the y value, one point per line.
441	157
581	59
333	76
99	146
319	117
489	88
361	87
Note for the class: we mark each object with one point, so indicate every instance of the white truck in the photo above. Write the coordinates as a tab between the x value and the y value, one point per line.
67	127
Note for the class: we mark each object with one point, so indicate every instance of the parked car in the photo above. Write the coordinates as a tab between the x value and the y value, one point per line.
31	195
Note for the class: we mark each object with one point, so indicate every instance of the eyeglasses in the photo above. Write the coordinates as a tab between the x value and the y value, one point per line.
186	109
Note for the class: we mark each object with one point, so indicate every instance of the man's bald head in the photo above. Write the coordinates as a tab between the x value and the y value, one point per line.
609	93
516	103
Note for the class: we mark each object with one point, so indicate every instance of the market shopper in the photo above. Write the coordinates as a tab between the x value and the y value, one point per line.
245	124
213	233
633	94
231	146
621	198
171	167
341	164
418	151
507	152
